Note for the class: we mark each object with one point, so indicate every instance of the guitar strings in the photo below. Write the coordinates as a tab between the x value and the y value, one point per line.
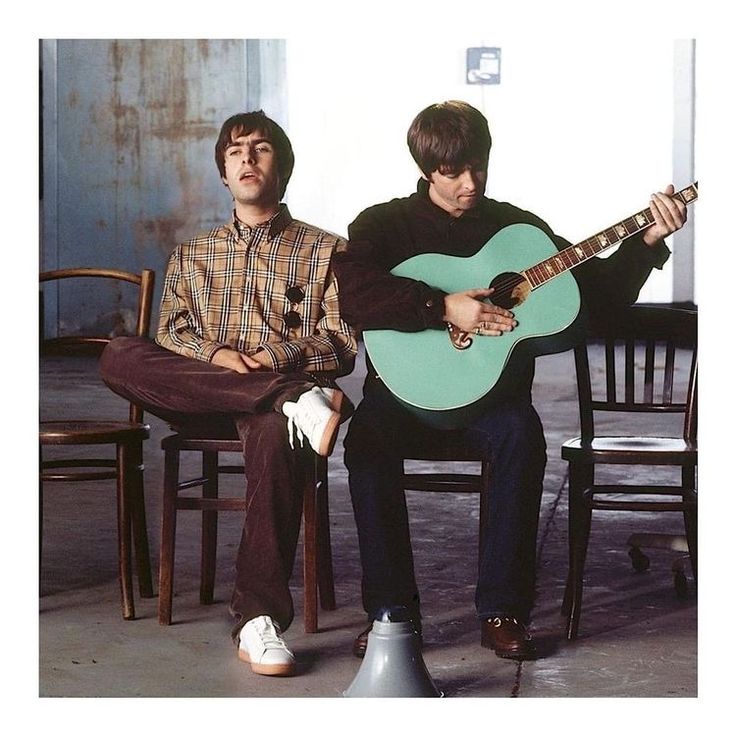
570	251
570	257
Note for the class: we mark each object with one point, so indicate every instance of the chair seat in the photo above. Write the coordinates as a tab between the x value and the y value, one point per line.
632	450
90	432
211	444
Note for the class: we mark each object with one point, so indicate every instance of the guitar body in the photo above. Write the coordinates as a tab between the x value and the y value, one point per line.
447	386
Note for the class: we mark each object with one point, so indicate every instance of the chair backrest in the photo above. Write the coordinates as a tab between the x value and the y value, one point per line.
86	344
643	361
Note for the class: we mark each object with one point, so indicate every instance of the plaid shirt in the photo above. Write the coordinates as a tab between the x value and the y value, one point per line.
228	289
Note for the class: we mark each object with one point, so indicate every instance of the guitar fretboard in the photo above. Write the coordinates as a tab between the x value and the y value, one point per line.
574	255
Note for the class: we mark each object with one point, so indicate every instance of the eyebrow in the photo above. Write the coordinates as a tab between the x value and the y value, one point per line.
255	142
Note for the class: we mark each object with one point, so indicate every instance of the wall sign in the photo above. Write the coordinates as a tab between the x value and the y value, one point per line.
483	65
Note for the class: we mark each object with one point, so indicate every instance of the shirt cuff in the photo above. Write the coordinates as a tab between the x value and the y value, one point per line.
433	308
208	350
654	256
658	254
284	356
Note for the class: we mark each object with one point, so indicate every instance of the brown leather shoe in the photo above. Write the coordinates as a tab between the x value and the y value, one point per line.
507	637
361	642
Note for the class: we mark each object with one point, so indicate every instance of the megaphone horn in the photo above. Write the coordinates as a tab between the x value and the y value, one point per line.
393	666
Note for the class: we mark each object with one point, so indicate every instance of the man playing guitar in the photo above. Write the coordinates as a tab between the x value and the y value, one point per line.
449	214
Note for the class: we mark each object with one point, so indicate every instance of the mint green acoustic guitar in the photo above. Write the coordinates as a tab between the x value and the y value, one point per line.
448	376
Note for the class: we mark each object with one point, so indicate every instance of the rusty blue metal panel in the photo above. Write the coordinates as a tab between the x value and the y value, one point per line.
128	146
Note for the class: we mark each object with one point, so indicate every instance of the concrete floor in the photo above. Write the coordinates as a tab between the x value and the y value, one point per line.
637	638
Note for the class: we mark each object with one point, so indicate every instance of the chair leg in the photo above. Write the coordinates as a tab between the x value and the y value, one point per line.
125	573
325	578
485	473
691	519
138	516
210	489
310	548
168	537
691	532
40	507
581	477
567	597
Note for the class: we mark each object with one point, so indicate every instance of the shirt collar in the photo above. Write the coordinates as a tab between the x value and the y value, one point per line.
275	225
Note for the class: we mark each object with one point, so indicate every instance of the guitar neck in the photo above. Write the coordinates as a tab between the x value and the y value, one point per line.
574	255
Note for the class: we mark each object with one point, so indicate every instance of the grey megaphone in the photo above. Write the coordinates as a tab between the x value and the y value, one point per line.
393	666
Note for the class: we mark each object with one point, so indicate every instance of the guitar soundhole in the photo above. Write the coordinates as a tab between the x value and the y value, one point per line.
510	290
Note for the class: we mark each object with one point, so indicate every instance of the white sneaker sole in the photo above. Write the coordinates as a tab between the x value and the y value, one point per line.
329	436
342	411
274	670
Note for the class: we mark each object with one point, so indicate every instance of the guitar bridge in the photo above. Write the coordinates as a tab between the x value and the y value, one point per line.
460	339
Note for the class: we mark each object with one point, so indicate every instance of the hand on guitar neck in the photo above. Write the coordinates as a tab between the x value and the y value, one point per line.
669	216
467	311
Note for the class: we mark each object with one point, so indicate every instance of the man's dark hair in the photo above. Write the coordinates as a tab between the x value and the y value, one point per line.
447	136
245	123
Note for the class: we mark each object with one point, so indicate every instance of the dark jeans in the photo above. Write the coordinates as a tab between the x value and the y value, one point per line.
204	400
380	435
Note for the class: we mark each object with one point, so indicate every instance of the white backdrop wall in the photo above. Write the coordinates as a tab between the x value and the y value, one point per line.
582	132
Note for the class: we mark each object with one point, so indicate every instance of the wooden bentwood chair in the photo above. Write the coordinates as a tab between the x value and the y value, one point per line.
646	364
317	562
126	435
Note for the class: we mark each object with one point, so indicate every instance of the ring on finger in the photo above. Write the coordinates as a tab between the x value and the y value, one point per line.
477	330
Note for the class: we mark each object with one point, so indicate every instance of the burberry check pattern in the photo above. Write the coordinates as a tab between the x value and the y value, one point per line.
228	288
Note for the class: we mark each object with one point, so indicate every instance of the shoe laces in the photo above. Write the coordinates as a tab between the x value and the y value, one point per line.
269	633
294	431
303	415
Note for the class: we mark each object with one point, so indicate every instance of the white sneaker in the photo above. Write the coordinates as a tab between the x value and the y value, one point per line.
316	415
263	647
339	403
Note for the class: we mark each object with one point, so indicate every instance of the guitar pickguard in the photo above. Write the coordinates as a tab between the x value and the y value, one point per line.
459	339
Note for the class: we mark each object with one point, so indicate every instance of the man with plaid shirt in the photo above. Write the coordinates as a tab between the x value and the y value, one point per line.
250	339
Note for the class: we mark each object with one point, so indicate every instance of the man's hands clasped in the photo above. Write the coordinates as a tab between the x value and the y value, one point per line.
239	362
